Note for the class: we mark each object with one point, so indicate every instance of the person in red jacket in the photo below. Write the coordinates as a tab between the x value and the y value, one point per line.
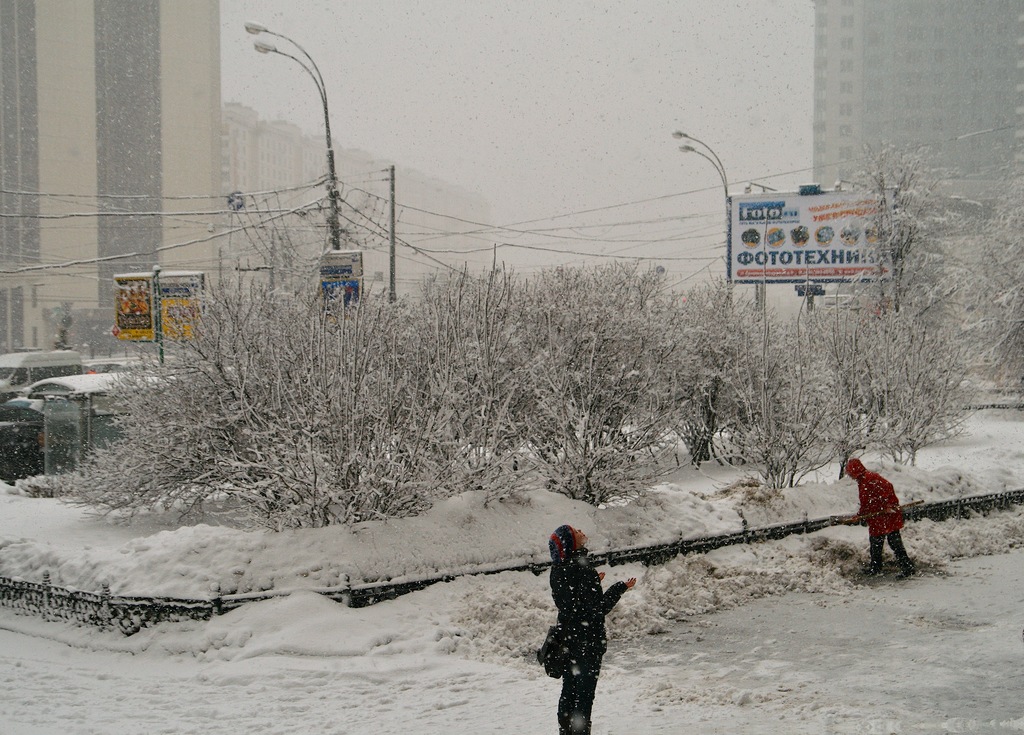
880	508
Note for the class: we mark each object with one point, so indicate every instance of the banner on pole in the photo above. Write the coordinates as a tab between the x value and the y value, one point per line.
133	307
181	293
341	277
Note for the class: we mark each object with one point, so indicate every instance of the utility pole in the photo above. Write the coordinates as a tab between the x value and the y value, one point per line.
273	259
158	313
391	282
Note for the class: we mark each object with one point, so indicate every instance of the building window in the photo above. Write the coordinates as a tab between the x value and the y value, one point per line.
845	131
846	87
846	43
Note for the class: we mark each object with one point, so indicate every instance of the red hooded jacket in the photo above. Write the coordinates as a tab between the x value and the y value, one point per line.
876	494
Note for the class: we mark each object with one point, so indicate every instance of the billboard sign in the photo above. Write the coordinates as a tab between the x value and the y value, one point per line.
778	237
180	295
341	276
135	305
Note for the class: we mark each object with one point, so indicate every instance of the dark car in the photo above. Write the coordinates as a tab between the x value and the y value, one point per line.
21	439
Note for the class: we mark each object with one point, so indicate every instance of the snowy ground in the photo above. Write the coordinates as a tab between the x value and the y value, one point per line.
776	638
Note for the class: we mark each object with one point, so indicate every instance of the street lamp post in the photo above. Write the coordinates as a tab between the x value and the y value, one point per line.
314	72
715	161
710	155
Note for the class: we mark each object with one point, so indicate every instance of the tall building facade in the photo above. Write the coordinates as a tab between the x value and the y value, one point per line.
941	76
109	154
278	169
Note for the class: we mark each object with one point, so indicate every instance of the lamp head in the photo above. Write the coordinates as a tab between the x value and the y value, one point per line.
265	48
679	134
254	28
687	149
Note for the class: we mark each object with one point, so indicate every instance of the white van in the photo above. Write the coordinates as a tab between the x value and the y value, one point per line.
19	370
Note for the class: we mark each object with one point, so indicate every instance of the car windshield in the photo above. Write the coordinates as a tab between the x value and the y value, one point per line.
19	414
13	376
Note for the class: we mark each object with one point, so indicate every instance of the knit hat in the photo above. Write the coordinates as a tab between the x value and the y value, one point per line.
562	543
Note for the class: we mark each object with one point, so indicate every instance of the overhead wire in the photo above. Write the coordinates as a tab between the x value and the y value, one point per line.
481	230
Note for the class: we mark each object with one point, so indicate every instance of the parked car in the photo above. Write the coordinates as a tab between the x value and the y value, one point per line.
20	369
108	365
21	439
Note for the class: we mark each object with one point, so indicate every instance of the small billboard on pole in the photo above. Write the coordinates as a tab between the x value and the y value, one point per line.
133	307
180	303
136	303
341	277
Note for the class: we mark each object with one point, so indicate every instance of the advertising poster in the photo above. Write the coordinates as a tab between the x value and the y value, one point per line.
778	237
345	293
180	299
341	273
135	305
133	308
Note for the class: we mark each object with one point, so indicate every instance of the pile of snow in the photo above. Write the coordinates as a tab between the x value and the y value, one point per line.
462	535
466	534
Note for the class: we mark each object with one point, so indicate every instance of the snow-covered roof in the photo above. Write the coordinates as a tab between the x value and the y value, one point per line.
95	383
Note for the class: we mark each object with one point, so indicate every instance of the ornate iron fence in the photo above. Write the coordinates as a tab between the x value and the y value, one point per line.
129	614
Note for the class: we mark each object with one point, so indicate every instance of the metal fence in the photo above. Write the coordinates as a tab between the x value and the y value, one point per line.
130	614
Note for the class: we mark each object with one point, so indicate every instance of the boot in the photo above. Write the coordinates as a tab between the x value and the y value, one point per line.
902	558
907	569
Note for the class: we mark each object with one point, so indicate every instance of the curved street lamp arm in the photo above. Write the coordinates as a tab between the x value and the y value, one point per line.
318	76
318	81
713	161
717	162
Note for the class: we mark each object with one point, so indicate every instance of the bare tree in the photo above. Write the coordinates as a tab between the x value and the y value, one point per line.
280	411
597	418
474	347
916	373
857	420
909	228
996	293
784	401
709	323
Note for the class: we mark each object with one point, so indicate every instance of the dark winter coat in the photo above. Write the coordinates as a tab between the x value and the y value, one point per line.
876	494
582	605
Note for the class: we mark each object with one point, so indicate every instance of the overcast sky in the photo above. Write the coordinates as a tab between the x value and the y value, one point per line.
548	109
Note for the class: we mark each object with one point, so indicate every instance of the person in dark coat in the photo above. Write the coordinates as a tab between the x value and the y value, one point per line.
582	606
880	507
